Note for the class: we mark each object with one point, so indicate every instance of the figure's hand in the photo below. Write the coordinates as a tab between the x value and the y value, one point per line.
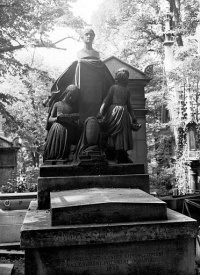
135	126
134	120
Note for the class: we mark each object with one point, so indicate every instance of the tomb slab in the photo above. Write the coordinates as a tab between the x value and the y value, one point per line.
53	184
105	205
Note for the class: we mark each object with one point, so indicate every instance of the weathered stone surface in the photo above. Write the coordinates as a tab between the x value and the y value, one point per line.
16	201
6	269
10	225
75	170
151	247
144	258
52	184
8	157
105	205
37	231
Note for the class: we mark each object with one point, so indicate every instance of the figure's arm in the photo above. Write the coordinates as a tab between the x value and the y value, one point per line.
53	116
130	109
107	102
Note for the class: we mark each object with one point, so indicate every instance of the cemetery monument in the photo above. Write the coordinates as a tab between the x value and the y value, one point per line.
94	214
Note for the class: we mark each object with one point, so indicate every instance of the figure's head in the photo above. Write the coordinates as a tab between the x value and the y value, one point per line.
122	76
87	35
71	93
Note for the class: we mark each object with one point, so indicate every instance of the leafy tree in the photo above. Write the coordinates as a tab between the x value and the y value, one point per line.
134	31
28	24
25	23
27	116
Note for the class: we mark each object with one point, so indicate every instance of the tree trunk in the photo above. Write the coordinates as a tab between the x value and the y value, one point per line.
35	158
175	9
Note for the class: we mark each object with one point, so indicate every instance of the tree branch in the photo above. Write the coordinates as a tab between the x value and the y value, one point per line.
13	38
67	37
38	45
13	48
10	49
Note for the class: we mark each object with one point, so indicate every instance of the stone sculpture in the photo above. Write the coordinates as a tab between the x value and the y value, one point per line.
90	147
64	123
90	75
118	117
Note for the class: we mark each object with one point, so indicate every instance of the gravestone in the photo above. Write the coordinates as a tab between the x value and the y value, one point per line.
99	219
8	156
132	236
108	248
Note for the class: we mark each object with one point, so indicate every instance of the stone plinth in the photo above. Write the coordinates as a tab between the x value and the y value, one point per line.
150	247
108	205
52	184
90	170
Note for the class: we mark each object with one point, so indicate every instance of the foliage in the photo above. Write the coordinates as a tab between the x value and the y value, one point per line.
161	179
25	183
27	115
21	187
25	23
127	29
29	24
133	31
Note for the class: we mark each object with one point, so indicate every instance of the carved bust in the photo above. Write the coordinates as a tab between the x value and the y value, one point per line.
87	36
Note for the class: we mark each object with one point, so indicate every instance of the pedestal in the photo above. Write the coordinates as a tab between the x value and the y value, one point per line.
154	247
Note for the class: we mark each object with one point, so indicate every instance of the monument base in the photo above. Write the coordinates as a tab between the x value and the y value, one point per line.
150	247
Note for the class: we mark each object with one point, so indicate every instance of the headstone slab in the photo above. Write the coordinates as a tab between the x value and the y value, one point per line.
108	205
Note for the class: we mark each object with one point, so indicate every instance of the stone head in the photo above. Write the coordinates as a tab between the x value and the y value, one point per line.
122	76
87	35
71	94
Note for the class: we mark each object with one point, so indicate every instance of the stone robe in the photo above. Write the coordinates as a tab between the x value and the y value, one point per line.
93	79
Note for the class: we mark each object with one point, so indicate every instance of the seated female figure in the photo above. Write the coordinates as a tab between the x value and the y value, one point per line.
64	124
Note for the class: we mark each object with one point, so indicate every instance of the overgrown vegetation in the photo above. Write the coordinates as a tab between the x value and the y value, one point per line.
132	31
24	86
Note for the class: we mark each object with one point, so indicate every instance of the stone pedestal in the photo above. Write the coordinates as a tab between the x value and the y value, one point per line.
95	220
72	177
149	247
